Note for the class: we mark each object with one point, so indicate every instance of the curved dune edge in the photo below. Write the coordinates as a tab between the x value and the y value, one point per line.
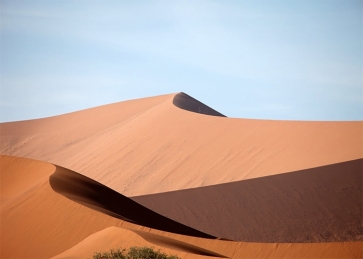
24	221
188	103
322	204
41	223
175	244
122	145
113	238
94	195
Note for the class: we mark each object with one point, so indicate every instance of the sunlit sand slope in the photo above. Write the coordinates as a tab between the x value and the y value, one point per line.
322	204
150	145
38	222
113	238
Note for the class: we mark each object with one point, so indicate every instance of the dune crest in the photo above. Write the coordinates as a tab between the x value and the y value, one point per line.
114	237
188	103
96	196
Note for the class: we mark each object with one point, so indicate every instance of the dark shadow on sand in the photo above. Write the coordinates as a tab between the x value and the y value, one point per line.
186	102
322	204
92	194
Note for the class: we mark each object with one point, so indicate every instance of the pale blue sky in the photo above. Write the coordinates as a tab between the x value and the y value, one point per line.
290	60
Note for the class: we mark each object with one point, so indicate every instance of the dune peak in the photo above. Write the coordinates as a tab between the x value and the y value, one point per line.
186	102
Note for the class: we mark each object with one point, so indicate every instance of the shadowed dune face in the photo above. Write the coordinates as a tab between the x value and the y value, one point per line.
92	194
186	102
321	204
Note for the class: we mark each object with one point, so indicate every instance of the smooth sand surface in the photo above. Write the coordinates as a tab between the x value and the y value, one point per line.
149	145
41	223
113	238
322	204
249	180
38	222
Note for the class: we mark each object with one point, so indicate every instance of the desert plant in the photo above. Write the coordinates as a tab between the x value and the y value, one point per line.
134	253
113	254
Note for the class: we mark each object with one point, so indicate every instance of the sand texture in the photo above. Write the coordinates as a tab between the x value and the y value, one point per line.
289	208
173	173
41	223
150	145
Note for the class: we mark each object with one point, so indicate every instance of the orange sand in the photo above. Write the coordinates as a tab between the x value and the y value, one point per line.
149	145
40	223
168	143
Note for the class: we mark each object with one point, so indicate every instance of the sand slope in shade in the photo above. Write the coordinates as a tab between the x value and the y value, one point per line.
40	223
150	145
322	204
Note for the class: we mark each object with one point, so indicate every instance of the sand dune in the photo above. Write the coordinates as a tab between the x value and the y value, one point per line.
113	238
321	204
193	174
41	223
150	145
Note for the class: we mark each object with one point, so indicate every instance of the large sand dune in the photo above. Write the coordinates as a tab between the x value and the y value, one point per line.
171	172
149	145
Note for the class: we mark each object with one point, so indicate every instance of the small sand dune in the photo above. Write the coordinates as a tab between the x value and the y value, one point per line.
113	238
40	223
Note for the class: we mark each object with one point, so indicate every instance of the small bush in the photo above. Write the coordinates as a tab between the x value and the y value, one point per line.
134	253
113	254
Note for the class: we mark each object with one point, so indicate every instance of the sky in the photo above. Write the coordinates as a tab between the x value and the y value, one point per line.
280	60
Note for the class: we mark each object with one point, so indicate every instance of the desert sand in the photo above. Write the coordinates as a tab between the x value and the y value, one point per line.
41	223
173	173
123	145
288	208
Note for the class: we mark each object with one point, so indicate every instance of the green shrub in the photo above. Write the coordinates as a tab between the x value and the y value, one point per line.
113	254
134	253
